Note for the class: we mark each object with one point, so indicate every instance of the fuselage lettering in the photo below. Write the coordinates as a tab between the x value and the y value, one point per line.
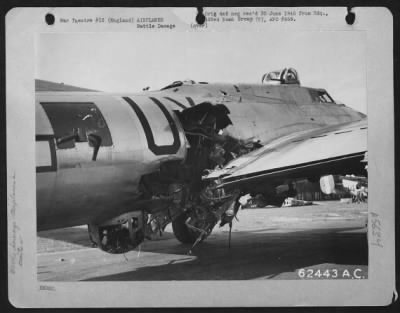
163	149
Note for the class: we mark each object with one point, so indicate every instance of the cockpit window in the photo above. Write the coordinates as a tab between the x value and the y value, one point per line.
77	122
181	83
173	85
321	96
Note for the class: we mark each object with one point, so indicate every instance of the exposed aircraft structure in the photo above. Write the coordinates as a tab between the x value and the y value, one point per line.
129	164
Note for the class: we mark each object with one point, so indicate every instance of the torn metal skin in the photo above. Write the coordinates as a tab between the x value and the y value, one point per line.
194	206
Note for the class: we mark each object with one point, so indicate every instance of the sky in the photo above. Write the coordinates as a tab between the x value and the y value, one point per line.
128	62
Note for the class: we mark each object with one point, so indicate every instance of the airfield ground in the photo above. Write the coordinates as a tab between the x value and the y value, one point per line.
268	243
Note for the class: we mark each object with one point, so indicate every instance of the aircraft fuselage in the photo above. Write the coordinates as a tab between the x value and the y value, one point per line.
93	148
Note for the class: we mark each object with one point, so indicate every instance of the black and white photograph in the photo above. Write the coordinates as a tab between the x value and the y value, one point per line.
205	154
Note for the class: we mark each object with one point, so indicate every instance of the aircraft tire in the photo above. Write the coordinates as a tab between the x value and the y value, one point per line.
181	231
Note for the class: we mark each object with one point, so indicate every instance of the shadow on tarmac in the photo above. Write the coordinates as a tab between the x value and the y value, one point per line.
80	236
253	255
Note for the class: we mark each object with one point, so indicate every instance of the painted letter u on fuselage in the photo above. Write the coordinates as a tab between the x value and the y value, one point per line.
74	189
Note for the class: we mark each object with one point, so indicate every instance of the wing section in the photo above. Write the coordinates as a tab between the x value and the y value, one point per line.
44	85
330	150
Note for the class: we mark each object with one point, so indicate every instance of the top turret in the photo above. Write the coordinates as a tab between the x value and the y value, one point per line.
287	76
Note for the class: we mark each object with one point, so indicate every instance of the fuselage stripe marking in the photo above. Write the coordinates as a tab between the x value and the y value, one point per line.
176	102
191	102
53	166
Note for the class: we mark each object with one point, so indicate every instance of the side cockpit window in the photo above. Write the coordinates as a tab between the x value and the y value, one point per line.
77	122
321	96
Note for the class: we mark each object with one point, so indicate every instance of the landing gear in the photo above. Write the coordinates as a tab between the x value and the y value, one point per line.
194	227
181	231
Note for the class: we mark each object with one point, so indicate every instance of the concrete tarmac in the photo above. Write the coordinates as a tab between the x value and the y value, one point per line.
322	241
